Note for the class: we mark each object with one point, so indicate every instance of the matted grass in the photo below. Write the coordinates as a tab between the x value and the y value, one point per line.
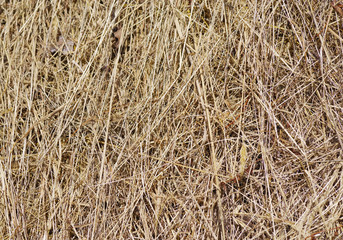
165	120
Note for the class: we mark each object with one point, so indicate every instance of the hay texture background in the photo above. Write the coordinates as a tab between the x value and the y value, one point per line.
171	119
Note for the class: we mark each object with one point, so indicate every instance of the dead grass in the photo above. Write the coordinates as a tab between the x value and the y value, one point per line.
139	130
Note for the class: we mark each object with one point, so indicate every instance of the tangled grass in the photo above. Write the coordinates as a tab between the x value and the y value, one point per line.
171	119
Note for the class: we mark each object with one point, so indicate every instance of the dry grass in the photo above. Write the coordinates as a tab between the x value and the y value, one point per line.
142	129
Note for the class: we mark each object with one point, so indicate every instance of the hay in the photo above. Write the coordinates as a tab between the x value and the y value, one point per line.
165	120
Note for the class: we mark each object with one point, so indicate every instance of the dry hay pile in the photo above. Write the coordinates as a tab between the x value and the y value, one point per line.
171	119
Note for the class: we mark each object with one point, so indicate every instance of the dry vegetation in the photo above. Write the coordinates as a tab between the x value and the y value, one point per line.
165	120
